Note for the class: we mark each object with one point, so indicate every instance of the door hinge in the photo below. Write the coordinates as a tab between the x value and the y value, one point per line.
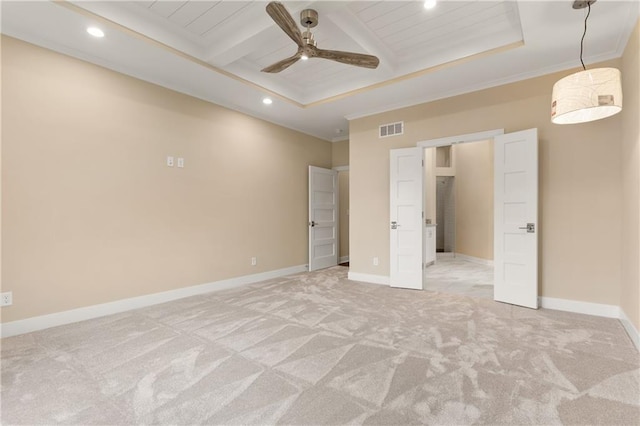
422	163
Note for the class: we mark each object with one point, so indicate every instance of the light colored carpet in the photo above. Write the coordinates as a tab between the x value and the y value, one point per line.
315	348
455	275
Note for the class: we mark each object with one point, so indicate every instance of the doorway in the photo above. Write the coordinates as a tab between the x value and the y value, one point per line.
343	215
445	214
463	175
323	218
515	206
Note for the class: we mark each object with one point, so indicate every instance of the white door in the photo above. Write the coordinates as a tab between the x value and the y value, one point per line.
406	186
516	218
323	218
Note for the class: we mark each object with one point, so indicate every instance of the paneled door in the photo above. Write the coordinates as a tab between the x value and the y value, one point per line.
516	218
323	218
406	192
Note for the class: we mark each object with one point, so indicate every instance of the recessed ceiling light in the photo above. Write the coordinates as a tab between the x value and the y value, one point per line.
430	4
96	32
267	101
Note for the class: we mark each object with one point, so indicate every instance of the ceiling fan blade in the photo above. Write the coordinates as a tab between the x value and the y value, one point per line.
350	58
280	16
283	64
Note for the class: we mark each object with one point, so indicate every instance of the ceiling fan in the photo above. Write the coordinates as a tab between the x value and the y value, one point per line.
306	43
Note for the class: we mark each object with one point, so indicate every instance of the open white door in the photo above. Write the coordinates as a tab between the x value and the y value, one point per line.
406	191
516	218
323	218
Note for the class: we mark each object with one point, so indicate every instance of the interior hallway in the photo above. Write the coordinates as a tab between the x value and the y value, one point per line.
458	276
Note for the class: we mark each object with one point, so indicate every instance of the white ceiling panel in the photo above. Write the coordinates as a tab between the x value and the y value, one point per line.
448	25
419	18
406	15
145	3
222	11
475	32
377	9
190	12
166	8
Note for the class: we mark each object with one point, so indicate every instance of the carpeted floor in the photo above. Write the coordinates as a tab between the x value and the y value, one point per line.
456	275
315	348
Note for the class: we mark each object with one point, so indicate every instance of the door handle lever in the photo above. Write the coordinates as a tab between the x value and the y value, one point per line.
531	228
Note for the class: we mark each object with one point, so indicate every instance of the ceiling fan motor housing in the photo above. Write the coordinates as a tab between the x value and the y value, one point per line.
309	18
307	36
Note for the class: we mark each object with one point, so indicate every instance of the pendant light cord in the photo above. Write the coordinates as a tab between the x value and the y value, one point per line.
584	34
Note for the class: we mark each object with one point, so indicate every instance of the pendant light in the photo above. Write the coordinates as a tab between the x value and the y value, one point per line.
587	95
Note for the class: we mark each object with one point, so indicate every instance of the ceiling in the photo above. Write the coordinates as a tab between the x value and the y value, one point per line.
214	50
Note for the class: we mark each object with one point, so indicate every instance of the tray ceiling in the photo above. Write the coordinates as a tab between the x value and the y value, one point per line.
215	49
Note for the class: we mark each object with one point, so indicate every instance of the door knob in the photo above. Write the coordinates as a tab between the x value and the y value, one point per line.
531	228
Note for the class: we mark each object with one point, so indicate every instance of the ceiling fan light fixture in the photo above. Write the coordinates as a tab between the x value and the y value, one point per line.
587	95
430	4
304	57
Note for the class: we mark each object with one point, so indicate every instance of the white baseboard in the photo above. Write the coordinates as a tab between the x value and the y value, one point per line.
368	278
88	312
445	254
631	330
473	259
343	259
596	309
588	308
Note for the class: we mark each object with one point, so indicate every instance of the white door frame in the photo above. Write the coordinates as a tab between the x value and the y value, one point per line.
452	140
341	259
315	224
406	202
516	218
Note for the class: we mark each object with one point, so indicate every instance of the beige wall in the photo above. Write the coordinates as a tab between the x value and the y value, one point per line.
630	291
92	214
474	198
579	183
340	153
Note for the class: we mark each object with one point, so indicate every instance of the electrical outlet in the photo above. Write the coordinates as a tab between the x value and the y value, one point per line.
254	261
169	161
6	299
376	261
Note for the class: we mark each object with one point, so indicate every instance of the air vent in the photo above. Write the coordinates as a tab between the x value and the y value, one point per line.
392	129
